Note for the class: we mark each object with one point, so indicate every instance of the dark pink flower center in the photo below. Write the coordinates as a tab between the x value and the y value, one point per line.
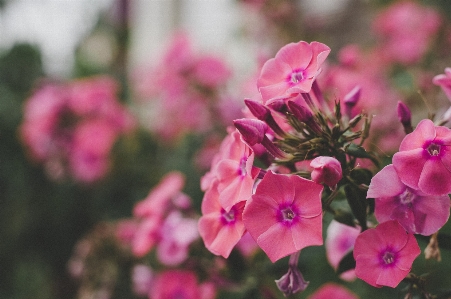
287	214
406	197
388	258
228	217
296	76
434	149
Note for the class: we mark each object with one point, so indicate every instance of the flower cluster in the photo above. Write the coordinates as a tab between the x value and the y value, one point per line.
314	158
72	127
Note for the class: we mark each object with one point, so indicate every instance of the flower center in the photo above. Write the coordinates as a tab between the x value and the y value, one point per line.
287	214
297	76
228	217
434	149
406	197
388	258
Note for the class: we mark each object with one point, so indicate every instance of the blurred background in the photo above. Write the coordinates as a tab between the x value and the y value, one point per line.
100	99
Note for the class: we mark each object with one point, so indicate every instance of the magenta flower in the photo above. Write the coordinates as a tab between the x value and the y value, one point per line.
332	290
284	214
424	159
219	229
444	81
326	170
384	255
293	69
417	212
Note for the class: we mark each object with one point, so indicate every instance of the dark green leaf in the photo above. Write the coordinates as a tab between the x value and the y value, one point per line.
344	217
444	241
357	151
358	203
346	263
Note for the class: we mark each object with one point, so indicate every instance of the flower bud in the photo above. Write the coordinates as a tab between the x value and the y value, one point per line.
326	170
257	109
351	99
405	117
304	115
252	130
292	282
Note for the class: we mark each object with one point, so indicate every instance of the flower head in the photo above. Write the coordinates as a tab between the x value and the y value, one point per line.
417	212
424	159
291	209
384	255
293	69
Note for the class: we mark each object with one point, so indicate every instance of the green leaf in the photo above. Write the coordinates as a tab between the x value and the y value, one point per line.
358	203
346	263
344	217
357	151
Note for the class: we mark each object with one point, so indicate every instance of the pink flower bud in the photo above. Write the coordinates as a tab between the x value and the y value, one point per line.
292	282
257	109
304	115
352	97
405	117
252	130
326	170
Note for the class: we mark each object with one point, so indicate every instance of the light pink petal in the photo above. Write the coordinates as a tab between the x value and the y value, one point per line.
408	253
385	183
296	55
320	51
307	232
228	236
227	170
431	213
409	165
443	134
368	268
210	202
274	90
302	86
277	242
391	276
307	196
277	186
425	131
256	209
240	189
273	72
435	178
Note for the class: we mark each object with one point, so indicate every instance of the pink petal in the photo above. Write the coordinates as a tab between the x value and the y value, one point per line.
392	234
425	131
256	209
296	55
368	268
409	165
431	213
226	239
391	276
277	186
273	72
435	178
274	90
307	196
385	183
408	253
210	202
277	242
307	232
385	207
443	134
320	51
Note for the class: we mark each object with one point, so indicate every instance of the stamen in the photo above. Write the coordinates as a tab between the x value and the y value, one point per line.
388	258
434	149
228	217
297	76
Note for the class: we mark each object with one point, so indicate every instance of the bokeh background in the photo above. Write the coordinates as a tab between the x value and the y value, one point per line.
47	211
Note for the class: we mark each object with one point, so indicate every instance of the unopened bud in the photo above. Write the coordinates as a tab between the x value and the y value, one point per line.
405	117
351	99
278	105
326	170
257	109
292	282
304	115
252	130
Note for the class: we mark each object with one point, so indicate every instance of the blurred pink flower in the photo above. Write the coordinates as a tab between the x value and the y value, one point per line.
175	284
285	214
332	290
424	159
339	242
417	212
147	235
444	81
219	229
384	255
406	30
211	71
142	279
293	69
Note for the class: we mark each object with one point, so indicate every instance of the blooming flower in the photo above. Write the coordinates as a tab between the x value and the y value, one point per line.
424	159
219	229
326	170
332	290
384	255
293	69
417	212
290	207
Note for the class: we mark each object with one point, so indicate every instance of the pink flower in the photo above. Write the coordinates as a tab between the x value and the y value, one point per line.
424	159
146	236
417	212
332	290
326	170
340	241
219	229
384	255
293	69
444	81
142	278
174	284
284	214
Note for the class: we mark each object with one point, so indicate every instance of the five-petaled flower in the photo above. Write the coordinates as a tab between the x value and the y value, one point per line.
416	211
384	255
424	159
292	70
284	214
